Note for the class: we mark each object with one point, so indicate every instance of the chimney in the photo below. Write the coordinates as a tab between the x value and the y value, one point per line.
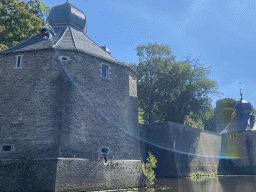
45	34
105	49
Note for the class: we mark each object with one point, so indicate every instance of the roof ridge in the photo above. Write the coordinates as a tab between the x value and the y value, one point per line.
78	10
72	37
101	48
60	37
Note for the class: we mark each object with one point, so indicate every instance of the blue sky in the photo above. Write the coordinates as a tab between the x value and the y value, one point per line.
221	33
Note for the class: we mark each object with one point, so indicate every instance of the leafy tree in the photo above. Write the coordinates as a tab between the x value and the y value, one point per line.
198	121
170	90
149	59
141	113
223	113
44	11
19	20
225	110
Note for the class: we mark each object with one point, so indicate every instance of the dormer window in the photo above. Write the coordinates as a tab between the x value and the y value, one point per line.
18	61
105	71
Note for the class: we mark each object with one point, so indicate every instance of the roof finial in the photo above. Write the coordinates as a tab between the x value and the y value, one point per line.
68	1
241	91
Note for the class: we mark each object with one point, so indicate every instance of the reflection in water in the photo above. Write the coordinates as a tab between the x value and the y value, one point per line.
219	184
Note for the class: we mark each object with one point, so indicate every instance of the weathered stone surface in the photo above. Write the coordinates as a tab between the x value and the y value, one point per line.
52	109
181	150
91	174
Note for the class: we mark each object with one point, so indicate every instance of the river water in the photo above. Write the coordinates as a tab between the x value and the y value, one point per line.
205	184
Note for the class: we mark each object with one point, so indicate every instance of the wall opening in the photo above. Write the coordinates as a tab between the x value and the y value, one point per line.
6	148
104	71
18	61
104	150
64	58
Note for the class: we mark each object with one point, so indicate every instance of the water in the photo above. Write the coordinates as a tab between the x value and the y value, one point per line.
217	184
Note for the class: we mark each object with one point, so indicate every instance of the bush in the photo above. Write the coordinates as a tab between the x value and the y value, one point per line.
148	171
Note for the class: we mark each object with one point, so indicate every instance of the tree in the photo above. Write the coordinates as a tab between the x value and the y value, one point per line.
19	20
223	113
199	121
170	90
140	113
44	11
225	110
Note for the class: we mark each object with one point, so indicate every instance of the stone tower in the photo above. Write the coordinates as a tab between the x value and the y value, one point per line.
238	140
67	102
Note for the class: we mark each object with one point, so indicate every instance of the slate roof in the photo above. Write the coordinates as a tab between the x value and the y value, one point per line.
67	14
66	38
68	34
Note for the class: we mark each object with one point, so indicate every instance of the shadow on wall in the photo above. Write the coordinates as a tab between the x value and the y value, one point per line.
181	149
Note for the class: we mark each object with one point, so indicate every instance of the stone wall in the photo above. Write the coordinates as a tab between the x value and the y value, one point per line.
28	174
67	109
240	146
52	109
99	112
181	150
84	174
28	116
67	174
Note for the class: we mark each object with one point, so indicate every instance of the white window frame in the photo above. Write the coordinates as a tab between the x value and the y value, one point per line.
107	71
17	59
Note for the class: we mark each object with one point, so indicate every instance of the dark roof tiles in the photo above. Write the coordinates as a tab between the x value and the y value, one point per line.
67	14
33	43
65	38
66	33
66	41
85	44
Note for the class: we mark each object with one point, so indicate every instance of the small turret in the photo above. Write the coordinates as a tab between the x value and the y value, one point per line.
243	106
67	14
244	118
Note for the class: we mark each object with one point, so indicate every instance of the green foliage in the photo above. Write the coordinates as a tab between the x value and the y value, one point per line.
200	176
148	171
223	113
141	113
170	90
44	11
225	110
19	20
198	121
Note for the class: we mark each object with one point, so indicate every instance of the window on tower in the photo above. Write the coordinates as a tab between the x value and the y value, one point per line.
18	61
104	71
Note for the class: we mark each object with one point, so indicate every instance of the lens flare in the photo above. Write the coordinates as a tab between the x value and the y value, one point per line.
202	149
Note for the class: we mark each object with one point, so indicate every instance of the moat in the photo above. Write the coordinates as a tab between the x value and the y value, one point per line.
204	184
